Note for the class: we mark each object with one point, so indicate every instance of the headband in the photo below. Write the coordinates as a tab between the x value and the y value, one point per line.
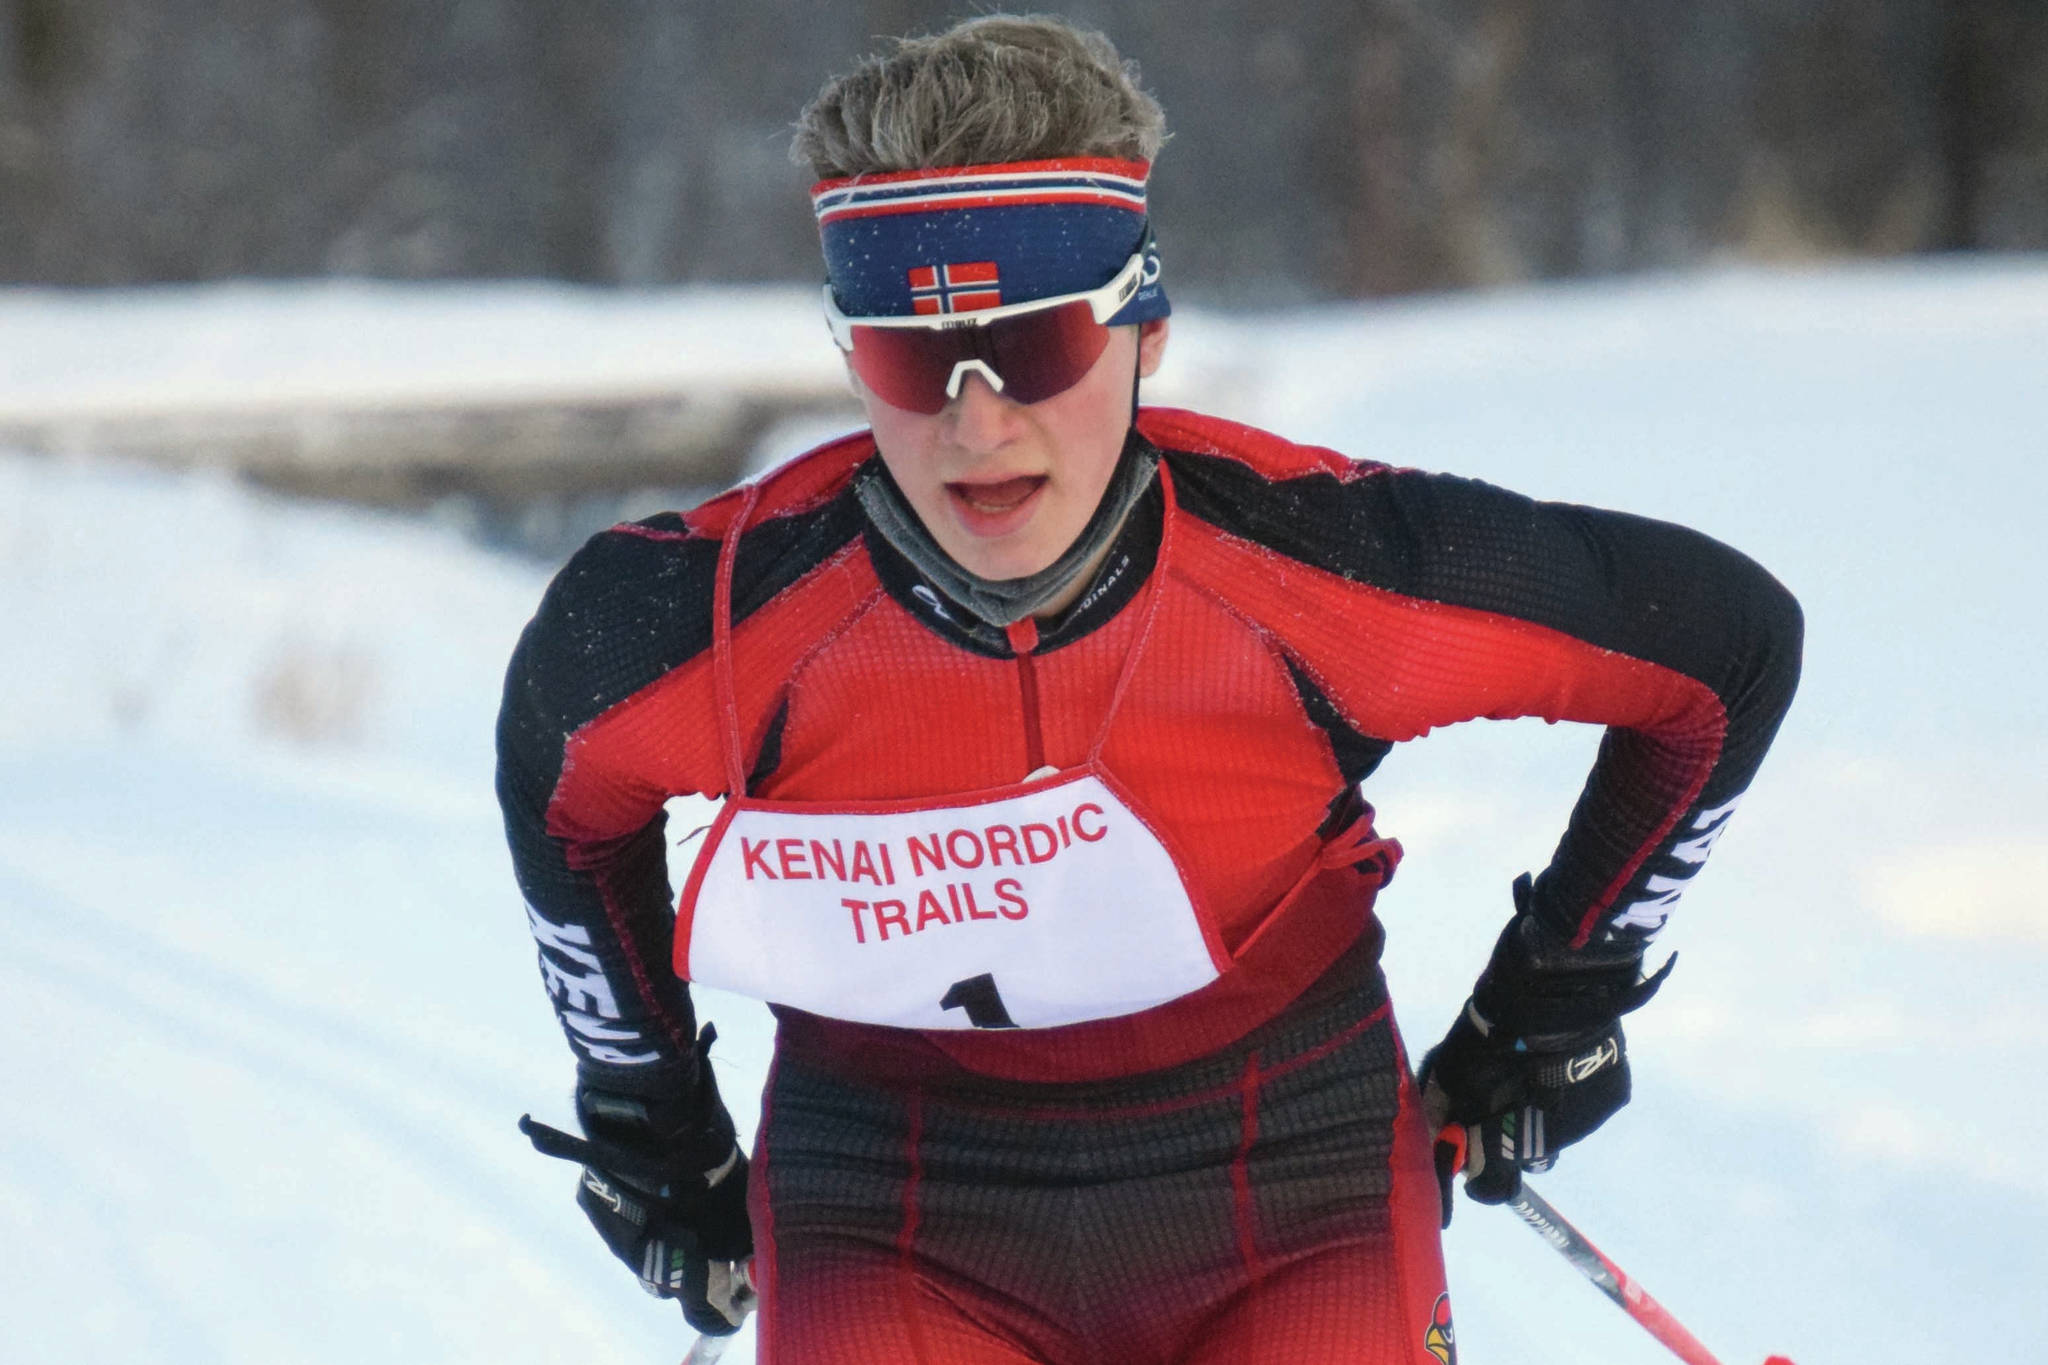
958	238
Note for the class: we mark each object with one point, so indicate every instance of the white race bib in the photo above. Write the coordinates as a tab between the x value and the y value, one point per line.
1054	906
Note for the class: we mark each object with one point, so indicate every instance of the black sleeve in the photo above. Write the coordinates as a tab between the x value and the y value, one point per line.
633	604
1684	649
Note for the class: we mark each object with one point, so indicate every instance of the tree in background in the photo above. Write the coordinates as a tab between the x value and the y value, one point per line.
1335	147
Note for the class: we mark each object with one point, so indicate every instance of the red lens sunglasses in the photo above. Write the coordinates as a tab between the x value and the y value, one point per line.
1026	351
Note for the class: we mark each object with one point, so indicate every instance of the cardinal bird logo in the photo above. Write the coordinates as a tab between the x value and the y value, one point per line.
1440	1340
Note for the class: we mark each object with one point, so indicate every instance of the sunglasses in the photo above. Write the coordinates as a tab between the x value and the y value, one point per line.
1027	352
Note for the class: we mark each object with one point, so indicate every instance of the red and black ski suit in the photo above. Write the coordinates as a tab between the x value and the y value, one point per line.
1237	1175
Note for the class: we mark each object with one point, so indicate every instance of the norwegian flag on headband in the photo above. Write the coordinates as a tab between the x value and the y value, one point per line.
954	239
955	288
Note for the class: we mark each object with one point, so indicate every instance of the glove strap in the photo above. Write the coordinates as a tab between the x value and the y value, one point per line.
554	1142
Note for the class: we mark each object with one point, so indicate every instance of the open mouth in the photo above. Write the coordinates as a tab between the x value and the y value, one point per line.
1003	495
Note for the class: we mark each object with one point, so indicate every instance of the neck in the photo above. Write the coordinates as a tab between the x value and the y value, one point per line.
1083	576
1007	601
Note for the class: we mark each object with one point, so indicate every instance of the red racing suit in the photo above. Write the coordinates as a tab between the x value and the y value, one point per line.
1313	612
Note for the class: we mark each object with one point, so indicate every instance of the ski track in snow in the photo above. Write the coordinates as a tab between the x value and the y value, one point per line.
270	1010
416	1114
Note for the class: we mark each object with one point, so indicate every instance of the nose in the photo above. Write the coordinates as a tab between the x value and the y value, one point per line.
981	418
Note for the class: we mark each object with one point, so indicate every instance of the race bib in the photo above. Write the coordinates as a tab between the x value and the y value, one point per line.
1054	906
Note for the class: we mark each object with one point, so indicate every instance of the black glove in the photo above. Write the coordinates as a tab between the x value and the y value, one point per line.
665	1184
1535	1061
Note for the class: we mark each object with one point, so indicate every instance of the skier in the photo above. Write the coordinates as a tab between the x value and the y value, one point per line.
1040	720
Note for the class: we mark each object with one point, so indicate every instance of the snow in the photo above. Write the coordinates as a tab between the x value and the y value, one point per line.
269	1009
263	347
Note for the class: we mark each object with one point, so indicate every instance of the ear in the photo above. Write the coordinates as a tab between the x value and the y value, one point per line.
1152	345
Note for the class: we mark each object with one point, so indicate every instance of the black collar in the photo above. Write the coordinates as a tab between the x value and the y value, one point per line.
1132	554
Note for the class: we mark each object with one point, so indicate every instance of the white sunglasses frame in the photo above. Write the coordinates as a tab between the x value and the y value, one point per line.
1103	302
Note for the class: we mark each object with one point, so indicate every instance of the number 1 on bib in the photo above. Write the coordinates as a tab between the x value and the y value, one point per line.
978	996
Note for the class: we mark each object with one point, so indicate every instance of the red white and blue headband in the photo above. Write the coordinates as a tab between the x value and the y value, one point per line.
961	238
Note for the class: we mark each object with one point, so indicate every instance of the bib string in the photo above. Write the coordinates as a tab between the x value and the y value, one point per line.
1153	593
721	645
1357	845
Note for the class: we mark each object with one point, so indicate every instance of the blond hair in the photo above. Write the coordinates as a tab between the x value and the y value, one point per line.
995	89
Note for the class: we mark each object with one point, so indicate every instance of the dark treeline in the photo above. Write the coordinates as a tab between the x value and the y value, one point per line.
1322	149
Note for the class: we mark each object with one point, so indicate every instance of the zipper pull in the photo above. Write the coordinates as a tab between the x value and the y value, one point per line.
1023	637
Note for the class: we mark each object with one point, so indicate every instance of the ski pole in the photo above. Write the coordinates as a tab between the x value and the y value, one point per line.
708	1349
1612	1280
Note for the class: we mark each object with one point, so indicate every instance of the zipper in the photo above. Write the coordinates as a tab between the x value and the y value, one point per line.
1023	636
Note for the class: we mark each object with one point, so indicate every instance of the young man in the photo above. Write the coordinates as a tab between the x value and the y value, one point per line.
1040	720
